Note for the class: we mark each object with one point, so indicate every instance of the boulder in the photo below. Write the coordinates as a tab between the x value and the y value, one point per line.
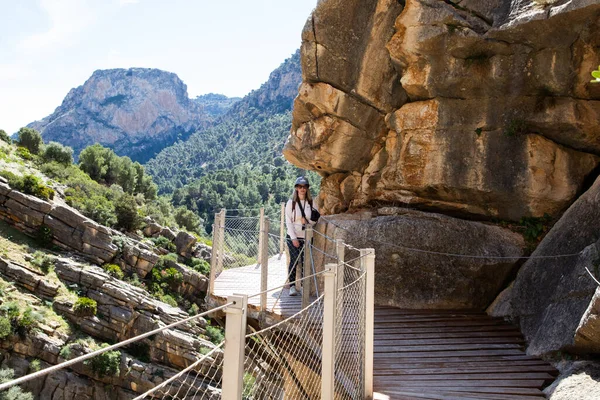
184	243
412	267
554	298
579	380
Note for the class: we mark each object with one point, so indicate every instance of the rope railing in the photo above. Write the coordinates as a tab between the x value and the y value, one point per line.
98	352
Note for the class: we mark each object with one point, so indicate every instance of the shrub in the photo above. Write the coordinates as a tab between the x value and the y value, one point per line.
126	211
84	307
214	334
114	270
65	352
199	265
57	152
15	392
43	261
24	153
188	220
165	243
194	309
4	136
5	327
106	364
30	139
29	184
168	299
35	365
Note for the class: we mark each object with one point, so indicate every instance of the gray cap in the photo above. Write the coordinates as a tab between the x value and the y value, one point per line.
301	181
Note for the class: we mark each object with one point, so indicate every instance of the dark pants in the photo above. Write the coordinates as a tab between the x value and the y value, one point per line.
296	258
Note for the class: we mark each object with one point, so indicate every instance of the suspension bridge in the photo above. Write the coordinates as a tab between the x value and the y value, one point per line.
332	342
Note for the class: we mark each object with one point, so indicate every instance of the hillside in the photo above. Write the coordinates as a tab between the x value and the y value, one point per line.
136	112
236	162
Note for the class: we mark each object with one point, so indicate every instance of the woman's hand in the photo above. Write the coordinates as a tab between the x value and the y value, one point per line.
304	222
296	243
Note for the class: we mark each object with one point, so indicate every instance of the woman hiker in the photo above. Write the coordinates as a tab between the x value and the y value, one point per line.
298	212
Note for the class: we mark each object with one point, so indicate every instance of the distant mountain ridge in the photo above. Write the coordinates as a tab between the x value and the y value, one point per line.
253	131
137	112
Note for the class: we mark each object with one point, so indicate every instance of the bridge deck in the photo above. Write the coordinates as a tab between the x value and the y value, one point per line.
246	280
448	355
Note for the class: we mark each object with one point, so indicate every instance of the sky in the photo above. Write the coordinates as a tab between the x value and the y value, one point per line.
48	47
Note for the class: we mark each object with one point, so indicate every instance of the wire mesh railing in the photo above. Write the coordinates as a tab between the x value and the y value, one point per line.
284	360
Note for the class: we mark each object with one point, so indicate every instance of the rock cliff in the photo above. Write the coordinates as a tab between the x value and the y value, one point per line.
477	108
136	112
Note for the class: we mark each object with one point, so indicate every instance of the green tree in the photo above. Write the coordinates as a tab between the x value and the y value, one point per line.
127	215
92	161
4	136
30	139
57	152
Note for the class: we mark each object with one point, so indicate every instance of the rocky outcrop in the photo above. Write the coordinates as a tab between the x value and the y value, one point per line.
578	380
124	311
71	231
137	112
426	278
555	300
477	108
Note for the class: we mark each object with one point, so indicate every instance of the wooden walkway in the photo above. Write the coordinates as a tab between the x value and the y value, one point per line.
446	355
420	354
246	280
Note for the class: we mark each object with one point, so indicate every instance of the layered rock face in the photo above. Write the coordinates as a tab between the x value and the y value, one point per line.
137	112
477	108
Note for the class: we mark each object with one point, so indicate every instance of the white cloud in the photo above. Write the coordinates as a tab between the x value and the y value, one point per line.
126	2
15	71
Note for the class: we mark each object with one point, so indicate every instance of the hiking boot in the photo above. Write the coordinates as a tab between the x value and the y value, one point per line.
293	290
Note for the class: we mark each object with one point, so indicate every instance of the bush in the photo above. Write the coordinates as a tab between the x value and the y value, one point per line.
42	261
85	307
199	265
168	299
57	152
165	243
127	215
214	334
5	327
106	364
114	270
4	136
30	139
24	153
15	392
35	365
29	184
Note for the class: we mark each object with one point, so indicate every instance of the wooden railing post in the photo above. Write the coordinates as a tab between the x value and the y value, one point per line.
216	257
233	357
307	267
328	346
264	264
340	251
261	225
282	231
368	264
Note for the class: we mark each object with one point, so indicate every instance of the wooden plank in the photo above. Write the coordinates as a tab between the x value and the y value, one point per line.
508	368
439	354
444	334
464	340
458	383
499	376
483	390
455	347
415	330
401	394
